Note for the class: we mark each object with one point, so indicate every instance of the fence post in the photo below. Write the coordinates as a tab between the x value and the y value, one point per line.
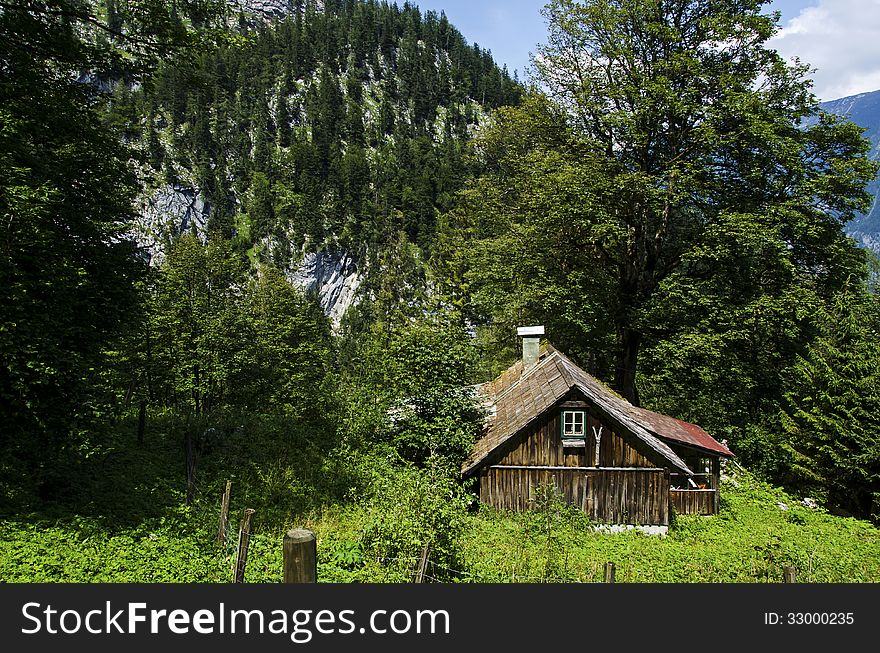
609	572
300	557
789	575
224	514
423	564
244	539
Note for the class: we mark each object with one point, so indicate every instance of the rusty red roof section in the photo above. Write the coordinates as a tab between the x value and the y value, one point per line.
516	398
668	428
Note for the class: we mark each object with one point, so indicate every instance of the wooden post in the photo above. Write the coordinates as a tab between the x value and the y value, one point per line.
609	572
423	564
789	575
300	557
716	485
224	514
244	539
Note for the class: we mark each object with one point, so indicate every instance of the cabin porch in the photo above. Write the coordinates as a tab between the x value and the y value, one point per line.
696	495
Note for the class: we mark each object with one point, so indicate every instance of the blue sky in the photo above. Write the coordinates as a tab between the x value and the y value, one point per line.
841	38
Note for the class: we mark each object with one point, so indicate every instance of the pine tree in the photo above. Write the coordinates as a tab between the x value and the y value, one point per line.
831	413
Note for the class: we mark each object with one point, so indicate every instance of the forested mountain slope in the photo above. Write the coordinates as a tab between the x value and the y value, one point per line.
314	140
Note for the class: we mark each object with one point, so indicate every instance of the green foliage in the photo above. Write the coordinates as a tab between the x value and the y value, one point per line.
406	510
521	247
653	146
215	338
380	536
408	389
552	520
321	128
830	418
659	210
200	344
68	266
66	273
82	551
295	350
759	531
663	213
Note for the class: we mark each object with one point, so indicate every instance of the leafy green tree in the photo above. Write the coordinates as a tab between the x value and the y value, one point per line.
663	207
204	347
65	269
66	192
695	119
722	331
296	350
435	415
521	247
409	389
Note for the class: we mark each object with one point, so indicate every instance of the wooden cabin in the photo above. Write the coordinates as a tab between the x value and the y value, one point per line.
551	422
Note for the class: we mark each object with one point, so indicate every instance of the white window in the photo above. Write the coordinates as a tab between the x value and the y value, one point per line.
574	424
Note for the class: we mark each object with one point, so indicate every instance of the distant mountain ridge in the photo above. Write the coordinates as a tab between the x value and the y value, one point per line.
864	110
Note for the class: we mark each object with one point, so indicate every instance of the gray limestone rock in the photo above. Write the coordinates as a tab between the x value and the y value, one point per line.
169	212
334	277
267	8
174	210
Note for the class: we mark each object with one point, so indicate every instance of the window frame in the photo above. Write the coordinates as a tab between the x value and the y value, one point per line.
573	437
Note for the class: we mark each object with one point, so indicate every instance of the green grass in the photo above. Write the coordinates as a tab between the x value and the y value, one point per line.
124	521
750	541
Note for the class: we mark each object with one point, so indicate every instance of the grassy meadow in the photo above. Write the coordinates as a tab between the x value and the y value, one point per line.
125	520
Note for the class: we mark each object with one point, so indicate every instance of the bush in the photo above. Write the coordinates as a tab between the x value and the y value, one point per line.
408	509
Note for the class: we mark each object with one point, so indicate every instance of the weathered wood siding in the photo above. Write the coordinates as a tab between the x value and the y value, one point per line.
616	496
694	502
542	445
625	487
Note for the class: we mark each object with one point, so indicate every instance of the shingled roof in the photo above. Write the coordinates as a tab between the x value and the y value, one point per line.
516	399
680	432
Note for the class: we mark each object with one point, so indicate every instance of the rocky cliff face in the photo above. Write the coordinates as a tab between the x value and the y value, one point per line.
312	148
168	212
334	277
174	210
267	8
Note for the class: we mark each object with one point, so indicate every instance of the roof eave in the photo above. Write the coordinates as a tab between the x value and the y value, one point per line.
713	452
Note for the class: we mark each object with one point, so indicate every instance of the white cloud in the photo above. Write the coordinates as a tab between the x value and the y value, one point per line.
839	38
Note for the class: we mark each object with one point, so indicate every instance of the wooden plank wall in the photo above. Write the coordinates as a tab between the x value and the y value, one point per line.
542	445
694	502
614	496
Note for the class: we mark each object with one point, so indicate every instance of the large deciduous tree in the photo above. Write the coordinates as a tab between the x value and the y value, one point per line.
681	119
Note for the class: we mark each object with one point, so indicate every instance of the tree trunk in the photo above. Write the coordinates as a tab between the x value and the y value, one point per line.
190	468
629	342
142	421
